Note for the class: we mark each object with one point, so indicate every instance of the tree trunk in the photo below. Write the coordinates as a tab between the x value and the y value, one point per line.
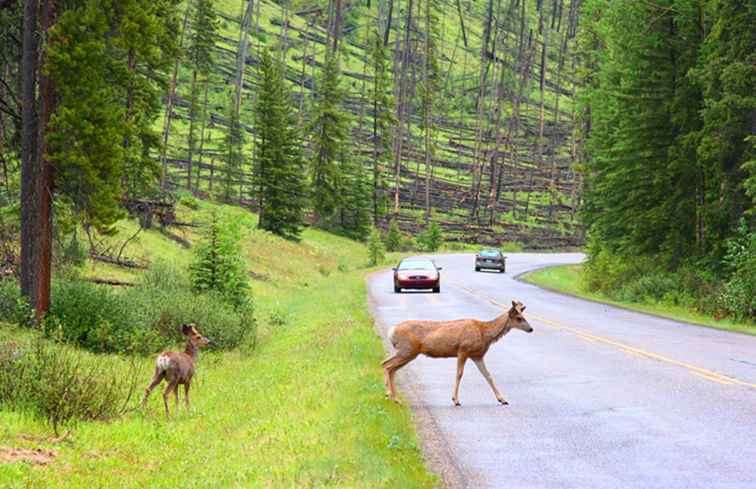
169	104
29	165
203	126
241	55
190	141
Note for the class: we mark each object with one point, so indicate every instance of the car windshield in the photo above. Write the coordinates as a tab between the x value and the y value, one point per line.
416	265
489	253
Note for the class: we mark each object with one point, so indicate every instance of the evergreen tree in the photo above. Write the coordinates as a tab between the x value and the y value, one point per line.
279	167
376	250
393	236
329	129
102	131
727	74
219	266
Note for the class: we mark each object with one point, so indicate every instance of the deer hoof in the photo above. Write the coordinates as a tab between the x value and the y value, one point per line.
456	402
503	402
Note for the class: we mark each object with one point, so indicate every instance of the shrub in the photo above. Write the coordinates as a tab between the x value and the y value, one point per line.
14	308
88	315
219	266
393	236
738	294
62	385
142	319
652	287
376	250
187	199
432	238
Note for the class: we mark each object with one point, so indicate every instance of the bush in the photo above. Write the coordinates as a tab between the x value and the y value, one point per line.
393	236
164	299
376	251
738	294
187	199
432	238
62	385
14	308
144	318
652	287
88	315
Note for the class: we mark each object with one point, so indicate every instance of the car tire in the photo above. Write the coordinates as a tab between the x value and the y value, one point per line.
436	290
397	290
477	269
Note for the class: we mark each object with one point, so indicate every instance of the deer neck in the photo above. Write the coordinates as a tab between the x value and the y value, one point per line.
191	351
497	328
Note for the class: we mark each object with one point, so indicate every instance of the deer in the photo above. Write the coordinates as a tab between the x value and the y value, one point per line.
461	338
177	368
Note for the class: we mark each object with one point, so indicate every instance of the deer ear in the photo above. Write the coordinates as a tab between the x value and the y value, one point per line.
514	303
523	308
186	329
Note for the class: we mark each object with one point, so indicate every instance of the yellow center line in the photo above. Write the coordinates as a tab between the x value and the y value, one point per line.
699	371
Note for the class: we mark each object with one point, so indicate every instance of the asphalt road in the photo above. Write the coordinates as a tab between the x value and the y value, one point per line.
600	397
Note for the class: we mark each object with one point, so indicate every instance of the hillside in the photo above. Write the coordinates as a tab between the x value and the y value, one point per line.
302	406
519	143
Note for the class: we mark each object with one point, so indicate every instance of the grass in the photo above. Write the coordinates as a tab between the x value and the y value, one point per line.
304	409
568	279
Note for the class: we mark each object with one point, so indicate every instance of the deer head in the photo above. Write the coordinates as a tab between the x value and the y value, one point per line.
517	320
194	336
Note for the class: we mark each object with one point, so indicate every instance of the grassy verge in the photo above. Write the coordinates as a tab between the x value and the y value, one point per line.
567	279
305	409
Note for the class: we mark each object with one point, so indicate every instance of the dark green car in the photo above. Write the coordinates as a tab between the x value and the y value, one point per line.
490	259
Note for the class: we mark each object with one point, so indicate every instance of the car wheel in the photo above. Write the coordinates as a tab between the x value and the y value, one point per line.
477	269
397	290
436	290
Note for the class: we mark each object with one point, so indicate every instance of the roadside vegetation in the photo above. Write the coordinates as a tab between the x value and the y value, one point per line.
290	395
571	279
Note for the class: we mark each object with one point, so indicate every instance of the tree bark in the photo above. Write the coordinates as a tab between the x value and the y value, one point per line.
29	174
241	55
169	104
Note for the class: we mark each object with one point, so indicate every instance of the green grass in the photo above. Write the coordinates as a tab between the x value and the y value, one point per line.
568	279
305	409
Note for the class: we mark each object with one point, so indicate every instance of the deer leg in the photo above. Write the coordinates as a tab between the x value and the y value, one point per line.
175	397
461	359
186	397
484	371
167	392
156	379
390	367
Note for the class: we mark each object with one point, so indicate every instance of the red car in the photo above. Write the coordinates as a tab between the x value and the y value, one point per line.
417	273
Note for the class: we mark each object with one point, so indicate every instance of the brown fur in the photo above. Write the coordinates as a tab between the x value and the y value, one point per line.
177	367
462	338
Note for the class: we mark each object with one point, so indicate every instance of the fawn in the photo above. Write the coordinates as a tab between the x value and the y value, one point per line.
177	367
463	338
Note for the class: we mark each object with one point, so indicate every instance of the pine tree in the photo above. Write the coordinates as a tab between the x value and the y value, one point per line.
393	236
219	266
376	250
727	74
279	167
329	129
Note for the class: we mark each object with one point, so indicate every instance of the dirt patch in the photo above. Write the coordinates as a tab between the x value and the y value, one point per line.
33	456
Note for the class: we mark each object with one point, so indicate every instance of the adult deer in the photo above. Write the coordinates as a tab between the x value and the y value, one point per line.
177	367
463	338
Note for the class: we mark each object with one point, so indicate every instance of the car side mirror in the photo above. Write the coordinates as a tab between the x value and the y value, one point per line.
393	268
439	268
